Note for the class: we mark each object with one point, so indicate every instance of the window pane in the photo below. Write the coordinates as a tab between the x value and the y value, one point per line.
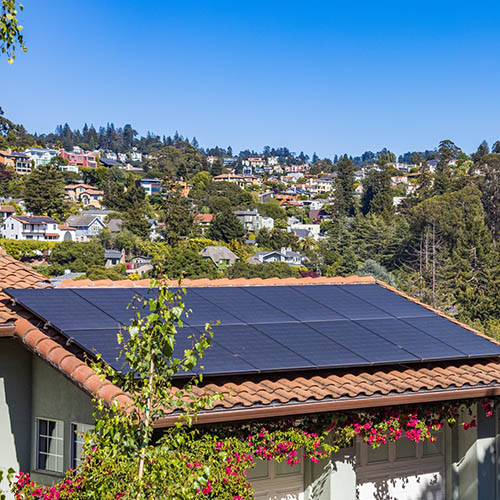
50	442
380	454
405	448
77	442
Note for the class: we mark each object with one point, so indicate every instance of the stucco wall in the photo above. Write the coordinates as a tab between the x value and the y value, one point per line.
55	397
15	405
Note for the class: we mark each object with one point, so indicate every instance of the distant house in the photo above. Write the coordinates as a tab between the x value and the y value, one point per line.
113	257
6	211
115	225
305	230
139	261
100	213
151	186
84	193
79	158
22	227
87	226
203	221
40	157
20	162
318	215
221	256
239	180
251	220
285	255
110	162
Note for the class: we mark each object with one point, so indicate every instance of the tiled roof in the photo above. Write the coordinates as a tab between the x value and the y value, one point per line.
269	395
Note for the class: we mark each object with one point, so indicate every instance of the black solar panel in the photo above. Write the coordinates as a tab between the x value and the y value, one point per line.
270	328
293	303
363	342
64	309
258	349
320	350
412	340
388	301
346	305
245	306
119	303
453	334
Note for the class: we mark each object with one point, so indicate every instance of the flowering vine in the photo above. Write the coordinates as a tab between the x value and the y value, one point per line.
212	463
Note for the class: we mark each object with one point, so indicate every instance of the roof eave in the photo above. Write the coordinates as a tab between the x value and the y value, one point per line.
299	409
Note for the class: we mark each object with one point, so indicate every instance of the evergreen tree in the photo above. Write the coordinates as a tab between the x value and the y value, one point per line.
226	227
44	192
344	187
177	216
377	194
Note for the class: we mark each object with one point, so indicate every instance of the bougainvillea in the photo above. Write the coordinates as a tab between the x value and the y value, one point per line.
212	463
124	458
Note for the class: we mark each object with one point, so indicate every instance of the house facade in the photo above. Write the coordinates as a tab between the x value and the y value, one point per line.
19	162
252	221
23	227
220	255
86	226
85	194
79	158
40	156
46	388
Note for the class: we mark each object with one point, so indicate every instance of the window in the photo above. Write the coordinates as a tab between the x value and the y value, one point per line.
77	442
50	445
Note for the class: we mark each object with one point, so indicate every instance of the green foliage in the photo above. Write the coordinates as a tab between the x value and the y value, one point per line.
372	268
377	195
226	227
26	249
10	29
177	217
271	270
344	187
78	257
182	156
44	192
114	273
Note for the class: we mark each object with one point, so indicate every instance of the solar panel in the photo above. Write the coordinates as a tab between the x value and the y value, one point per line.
411	339
244	306
346	305
388	301
216	359
364	343
64	309
320	350
258	349
453	334
119	303
270	328
101	342
293	303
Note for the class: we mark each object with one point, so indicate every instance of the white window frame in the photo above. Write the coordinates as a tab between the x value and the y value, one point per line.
46	453
76	439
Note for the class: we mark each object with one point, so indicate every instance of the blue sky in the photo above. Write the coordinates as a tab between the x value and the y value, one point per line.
330	77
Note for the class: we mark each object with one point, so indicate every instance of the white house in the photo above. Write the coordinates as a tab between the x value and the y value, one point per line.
40	156
22	227
253	221
86	225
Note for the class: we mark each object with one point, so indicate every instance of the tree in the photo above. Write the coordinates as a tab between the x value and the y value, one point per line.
78	257
482	150
226	227
10	29
447	152
490	188
177	216
377	195
44	192
344	187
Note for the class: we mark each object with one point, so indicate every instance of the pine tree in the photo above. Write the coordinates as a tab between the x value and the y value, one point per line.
226	227
44	192
344	187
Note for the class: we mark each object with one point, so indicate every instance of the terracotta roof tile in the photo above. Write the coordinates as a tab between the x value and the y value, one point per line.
204	282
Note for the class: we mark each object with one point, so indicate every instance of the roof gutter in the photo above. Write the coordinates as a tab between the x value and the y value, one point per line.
212	417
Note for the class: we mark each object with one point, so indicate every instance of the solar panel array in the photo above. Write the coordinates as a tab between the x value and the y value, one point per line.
270	328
